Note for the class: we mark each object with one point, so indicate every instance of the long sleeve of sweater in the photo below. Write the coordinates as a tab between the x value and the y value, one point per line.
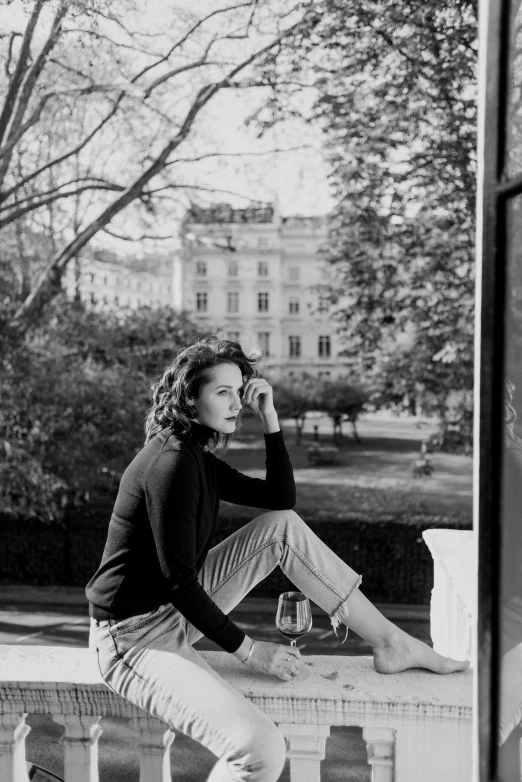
172	494
275	492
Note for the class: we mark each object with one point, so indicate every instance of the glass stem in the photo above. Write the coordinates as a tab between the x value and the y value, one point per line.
293	642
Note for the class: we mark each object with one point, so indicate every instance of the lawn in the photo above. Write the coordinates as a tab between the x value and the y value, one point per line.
372	480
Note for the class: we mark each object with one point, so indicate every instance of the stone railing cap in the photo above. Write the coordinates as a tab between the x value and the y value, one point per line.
334	678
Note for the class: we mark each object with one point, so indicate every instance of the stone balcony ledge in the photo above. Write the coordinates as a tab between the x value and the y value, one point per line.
416	725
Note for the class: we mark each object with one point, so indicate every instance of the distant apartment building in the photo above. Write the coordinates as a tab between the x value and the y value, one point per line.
103	279
249	275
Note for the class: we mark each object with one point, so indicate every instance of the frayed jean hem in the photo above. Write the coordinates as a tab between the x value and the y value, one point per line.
341	613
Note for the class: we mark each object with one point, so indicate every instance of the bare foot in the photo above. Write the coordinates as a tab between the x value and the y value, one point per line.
403	651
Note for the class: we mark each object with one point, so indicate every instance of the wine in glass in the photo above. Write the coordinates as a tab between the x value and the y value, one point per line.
294	618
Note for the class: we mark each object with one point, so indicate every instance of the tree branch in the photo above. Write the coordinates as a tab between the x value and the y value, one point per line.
35	116
56	189
170	74
60	159
135	238
187	35
54	270
29	81
9	57
50	199
19	71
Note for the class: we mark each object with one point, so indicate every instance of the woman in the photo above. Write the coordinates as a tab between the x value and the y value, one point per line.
160	585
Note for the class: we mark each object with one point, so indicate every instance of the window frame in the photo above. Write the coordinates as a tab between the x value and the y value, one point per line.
259	295
495	191
294	305
232	296
203	295
298	345
324	341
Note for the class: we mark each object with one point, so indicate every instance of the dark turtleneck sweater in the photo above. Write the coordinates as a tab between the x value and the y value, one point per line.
162	526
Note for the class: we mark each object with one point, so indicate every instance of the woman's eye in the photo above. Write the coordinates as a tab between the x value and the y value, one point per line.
222	392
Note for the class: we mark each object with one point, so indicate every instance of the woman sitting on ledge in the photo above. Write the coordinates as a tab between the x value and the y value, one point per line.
160	586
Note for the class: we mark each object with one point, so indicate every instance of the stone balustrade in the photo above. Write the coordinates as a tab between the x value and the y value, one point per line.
417	725
454	598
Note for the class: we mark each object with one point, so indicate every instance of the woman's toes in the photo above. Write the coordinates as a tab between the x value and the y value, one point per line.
452	666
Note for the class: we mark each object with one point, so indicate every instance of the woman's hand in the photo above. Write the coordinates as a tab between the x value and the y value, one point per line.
260	396
275	659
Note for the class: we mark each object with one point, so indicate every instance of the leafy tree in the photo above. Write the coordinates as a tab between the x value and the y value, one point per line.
74	394
293	398
342	400
397	83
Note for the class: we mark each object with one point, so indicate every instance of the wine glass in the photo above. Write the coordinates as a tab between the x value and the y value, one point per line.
294	618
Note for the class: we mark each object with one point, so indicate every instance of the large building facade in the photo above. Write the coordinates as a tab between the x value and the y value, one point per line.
104	280
249	274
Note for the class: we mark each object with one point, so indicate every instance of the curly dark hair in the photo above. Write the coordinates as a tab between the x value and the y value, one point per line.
183	378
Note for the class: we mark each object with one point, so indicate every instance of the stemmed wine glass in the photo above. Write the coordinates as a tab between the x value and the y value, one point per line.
294	618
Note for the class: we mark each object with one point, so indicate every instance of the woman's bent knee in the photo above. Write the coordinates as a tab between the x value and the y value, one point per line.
281	519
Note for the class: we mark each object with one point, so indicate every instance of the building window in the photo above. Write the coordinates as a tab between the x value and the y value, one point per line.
262	242
232	301
93	298
324	374
263	339
294	347
262	302
262	269
201	268
233	336
322	304
293	306
293	273
201	302
117	301
324	347
232	269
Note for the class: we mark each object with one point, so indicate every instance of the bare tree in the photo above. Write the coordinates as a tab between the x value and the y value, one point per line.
94	109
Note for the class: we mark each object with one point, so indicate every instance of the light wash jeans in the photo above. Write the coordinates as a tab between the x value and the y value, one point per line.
150	661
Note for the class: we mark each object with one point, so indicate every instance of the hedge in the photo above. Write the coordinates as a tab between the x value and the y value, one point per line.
391	556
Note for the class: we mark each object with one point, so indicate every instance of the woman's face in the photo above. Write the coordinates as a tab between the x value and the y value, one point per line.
219	400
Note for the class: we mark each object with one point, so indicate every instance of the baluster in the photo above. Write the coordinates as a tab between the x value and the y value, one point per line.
306	748
380	743
154	746
13	731
80	741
